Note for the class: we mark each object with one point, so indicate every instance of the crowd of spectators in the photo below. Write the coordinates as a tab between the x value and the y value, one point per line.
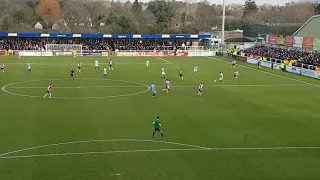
302	56
92	44
25	44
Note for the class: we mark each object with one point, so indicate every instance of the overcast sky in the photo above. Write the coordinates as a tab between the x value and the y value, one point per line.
273	2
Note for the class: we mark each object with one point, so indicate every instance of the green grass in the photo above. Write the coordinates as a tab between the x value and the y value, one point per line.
269	111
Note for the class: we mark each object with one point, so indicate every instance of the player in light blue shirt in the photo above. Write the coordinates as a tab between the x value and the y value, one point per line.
195	69
29	67
153	89
105	71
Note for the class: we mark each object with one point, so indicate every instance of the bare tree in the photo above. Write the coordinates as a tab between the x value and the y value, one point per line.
97	10
74	14
15	15
205	16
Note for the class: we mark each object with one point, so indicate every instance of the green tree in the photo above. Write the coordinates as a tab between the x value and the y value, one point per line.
118	24
126	25
111	18
19	16
136	7
163	13
317	9
250	8
5	26
234	24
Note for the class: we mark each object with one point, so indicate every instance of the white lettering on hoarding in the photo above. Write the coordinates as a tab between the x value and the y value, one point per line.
309	73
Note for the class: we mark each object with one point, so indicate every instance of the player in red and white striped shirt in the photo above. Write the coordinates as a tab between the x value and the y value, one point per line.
165	86
79	67
236	74
200	89
49	89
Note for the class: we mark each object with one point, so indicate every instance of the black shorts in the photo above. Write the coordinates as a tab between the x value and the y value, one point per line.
235	75
72	75
48	91
110	65
200	90
79	67
2	68
157	129
233	64
180	75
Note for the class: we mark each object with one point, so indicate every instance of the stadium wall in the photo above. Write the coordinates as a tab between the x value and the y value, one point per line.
276	65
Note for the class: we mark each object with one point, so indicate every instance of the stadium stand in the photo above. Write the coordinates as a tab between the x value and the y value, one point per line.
302	56
14	43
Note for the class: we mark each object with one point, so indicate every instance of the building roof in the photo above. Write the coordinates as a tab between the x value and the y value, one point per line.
310	28
241	39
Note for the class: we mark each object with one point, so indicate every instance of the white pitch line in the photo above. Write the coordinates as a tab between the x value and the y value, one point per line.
160	150
106	140
96	97
218	85
164	60
268	73
244	85
63	64
90	153
77	87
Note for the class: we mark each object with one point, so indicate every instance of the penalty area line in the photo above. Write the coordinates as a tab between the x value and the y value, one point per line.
161	150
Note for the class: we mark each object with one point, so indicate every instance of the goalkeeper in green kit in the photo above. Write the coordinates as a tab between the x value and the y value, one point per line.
157	126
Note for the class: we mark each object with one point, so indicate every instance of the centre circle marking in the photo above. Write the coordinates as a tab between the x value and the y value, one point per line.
97	97
188	147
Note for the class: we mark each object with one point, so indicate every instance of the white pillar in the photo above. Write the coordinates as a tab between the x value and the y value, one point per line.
223	22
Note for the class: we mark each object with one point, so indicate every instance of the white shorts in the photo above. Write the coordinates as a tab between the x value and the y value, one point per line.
147	65
195	70
221	79
29	68
163	73
168	87
96	65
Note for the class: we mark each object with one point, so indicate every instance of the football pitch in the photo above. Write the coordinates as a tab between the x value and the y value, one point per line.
264	125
